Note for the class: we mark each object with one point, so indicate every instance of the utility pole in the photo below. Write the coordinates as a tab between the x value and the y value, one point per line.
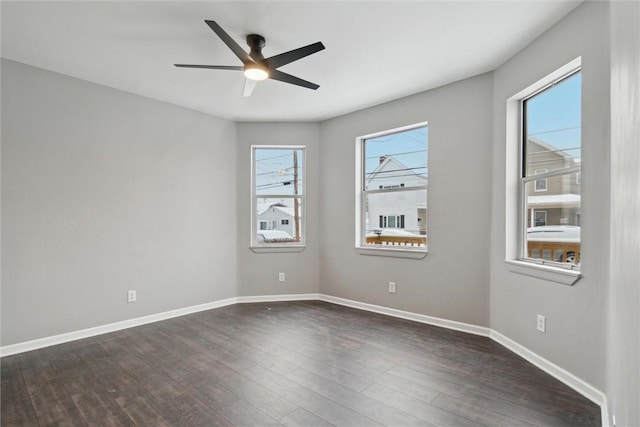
296	203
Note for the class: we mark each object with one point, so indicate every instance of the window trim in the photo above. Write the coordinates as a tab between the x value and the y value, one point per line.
535	220
542	180
254	245
515	215
360	194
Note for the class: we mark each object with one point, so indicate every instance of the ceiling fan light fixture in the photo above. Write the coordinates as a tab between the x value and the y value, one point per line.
255	72
255	66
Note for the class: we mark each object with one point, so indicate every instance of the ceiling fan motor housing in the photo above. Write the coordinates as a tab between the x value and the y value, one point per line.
256	43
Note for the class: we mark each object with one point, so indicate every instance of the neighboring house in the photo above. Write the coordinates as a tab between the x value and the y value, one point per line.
405	210
554	200
277	216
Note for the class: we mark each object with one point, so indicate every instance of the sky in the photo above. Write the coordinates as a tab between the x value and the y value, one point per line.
554	115
275	173
409	147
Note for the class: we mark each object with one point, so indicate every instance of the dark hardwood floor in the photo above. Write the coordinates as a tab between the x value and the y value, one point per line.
291	363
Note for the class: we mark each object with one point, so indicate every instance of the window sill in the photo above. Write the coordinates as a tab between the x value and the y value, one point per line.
276	249
545	272
394	253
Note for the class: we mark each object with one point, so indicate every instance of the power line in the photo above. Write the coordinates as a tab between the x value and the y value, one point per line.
397	170
553	130
396	154
275	157
275	171
277	184
560	150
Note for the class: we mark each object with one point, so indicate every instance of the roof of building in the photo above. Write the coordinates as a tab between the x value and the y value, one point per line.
390	164
554	233
288	210
554	201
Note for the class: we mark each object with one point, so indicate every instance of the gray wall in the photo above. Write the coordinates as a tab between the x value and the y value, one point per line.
258	272
104	191
623	343
452	282
575	336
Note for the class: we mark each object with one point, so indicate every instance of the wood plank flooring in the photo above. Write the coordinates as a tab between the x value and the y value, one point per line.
290	363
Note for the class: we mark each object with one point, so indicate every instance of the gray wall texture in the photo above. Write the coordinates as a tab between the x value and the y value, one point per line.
452	281
575	315
258	272
104	191
623	343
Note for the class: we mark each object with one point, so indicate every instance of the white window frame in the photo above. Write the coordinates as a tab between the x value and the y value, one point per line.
516	188
361	194
257	246
535	220
543	181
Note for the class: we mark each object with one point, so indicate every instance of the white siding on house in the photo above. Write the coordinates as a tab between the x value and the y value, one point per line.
274	217
391	173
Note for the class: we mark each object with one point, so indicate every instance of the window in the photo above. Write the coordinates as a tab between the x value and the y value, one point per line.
393	221
278	191
540	218
551	152
541	184
392	181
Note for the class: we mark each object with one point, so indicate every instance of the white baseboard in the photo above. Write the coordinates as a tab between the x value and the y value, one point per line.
557	372
276	298
421	318
604	412
582	387
22	347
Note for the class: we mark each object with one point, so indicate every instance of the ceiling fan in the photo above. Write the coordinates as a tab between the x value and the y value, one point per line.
256	67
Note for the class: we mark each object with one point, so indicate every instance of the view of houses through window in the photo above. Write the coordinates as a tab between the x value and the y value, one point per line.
278	195
393	187
551	172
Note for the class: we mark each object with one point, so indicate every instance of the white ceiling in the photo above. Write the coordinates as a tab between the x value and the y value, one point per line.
375	51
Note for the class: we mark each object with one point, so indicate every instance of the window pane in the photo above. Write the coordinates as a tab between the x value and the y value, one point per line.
553	220
278	171
553	121
278	221
396	160
397	218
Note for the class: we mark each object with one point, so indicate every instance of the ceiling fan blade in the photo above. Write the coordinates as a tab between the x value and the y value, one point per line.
276	61
249	85
288	78
226	38
212	67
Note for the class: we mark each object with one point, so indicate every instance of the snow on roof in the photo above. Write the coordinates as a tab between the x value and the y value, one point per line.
273	236
263	207
554	200
554	233
392	232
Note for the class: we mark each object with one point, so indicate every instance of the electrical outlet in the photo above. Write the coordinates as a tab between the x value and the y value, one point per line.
131	296
541	323
281	277
392	287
